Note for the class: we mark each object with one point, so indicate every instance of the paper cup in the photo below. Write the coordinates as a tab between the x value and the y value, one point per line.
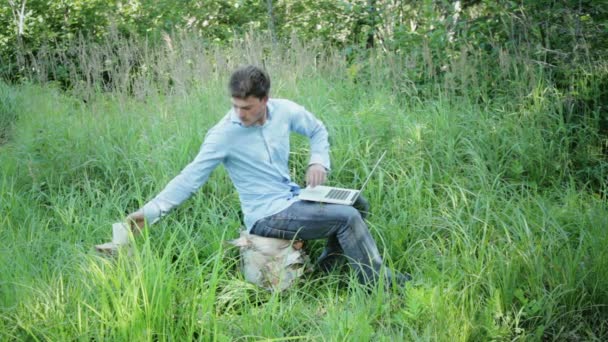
120	233
107	248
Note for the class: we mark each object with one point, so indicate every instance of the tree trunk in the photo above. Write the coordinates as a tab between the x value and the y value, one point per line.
18	15
372	23
271	22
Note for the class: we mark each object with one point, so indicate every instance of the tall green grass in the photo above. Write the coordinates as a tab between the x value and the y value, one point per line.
478	199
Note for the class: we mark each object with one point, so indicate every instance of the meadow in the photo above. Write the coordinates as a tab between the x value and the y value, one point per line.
481	197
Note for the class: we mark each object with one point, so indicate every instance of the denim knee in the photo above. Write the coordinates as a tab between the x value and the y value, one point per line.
362	205
349	213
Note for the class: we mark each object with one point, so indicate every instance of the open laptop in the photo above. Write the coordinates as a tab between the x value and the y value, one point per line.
330	194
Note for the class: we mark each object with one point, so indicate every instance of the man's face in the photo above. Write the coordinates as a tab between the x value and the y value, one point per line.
251	110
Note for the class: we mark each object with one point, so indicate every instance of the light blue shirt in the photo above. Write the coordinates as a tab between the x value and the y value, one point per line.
256	159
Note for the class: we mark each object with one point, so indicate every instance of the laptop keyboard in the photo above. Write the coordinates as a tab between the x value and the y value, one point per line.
338	194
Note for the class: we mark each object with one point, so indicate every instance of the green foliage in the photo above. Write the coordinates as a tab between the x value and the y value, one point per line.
493	193
479	197
8	114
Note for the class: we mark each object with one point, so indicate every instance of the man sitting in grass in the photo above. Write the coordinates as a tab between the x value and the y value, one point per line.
252	141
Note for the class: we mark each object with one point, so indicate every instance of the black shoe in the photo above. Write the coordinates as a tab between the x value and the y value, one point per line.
400	279
403	278
330	263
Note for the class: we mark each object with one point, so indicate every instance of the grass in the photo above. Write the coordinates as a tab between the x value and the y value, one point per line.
479	201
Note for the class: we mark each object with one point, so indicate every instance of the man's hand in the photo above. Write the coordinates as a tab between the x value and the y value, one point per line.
315	175
136	221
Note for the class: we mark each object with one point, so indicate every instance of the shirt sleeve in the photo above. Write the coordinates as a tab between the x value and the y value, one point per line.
303	122
190	179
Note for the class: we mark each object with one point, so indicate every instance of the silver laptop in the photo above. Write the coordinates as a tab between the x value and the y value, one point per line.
330	194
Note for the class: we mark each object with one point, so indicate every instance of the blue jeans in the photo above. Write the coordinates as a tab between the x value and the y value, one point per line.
343	227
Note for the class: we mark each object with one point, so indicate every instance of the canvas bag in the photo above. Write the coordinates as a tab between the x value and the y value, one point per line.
274	264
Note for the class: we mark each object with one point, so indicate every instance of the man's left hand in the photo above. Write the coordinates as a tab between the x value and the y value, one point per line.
315	175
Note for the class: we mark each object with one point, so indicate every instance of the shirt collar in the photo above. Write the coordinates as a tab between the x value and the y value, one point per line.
234	118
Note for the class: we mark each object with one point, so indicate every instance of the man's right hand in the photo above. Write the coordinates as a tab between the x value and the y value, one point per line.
136	221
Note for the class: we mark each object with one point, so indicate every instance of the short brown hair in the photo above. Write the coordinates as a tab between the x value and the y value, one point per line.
249	81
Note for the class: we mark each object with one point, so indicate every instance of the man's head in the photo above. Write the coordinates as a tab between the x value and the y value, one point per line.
249	81
249	87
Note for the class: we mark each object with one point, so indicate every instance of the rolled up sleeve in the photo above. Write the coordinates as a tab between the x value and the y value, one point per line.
305	123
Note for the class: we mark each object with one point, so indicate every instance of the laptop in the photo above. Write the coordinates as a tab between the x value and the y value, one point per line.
330	194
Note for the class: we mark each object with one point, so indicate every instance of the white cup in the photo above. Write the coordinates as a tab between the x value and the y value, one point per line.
120	233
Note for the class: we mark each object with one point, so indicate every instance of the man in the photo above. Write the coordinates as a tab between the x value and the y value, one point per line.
252	141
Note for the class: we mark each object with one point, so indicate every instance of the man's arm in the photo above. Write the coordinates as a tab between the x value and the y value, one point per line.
180	188
305	123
